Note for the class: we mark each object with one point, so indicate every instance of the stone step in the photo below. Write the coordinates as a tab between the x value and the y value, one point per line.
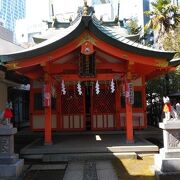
91	149
48	166
87	156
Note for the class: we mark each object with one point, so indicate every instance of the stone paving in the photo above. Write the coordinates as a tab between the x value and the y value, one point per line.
74	171
125	169
90	170
105	171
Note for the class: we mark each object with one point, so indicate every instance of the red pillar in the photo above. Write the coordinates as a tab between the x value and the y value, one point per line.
129	119
117	104
58	107
47	106
31	98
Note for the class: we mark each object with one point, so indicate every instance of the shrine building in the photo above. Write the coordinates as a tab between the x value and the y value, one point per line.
88	78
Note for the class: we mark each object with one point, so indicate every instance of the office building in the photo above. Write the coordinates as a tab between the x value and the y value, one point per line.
10	11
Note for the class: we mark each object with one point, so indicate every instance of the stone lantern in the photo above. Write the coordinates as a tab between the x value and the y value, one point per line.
10	164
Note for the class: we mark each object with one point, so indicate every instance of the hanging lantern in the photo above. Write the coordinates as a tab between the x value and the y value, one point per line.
97	87
112	85
79	88
63	88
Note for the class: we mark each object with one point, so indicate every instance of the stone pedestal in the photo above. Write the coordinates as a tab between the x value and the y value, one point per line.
168	161
10	164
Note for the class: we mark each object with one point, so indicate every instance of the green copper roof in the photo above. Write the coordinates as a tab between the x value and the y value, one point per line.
107	34
111	36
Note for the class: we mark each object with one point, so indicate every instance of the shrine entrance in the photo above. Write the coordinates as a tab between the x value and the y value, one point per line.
88	105
103	109
115	68
73	110
90	110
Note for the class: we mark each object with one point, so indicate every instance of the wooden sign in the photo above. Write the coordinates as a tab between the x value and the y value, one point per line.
131	93
47	96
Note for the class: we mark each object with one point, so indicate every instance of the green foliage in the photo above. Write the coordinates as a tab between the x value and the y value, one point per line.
163	85
159	4
178	72
163	18
157	86
132	26
174	82
171	41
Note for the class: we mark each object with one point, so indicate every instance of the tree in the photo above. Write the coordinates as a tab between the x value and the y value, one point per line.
165	21
178	70
156	86
171	41
163	18
132	26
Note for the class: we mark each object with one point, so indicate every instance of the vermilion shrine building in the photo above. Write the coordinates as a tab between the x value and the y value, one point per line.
93	59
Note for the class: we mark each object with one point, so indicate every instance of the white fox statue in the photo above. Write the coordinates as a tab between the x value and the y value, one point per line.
169	110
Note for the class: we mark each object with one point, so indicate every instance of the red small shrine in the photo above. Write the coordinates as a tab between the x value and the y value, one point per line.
88	78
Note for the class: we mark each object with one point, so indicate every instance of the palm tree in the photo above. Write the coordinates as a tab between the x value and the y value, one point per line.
163	18
165	21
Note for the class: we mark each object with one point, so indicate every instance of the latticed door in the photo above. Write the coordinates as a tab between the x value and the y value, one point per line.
103	116
73	110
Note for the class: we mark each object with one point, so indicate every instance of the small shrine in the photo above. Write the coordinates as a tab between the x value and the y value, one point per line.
88	78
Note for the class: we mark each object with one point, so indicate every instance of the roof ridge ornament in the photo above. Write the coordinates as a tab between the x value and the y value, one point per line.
86	10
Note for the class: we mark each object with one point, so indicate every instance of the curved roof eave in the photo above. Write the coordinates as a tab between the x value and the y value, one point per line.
104	33
111	37
58	41
175	62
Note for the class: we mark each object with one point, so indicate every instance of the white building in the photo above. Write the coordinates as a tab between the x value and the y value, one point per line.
107	9
25	30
